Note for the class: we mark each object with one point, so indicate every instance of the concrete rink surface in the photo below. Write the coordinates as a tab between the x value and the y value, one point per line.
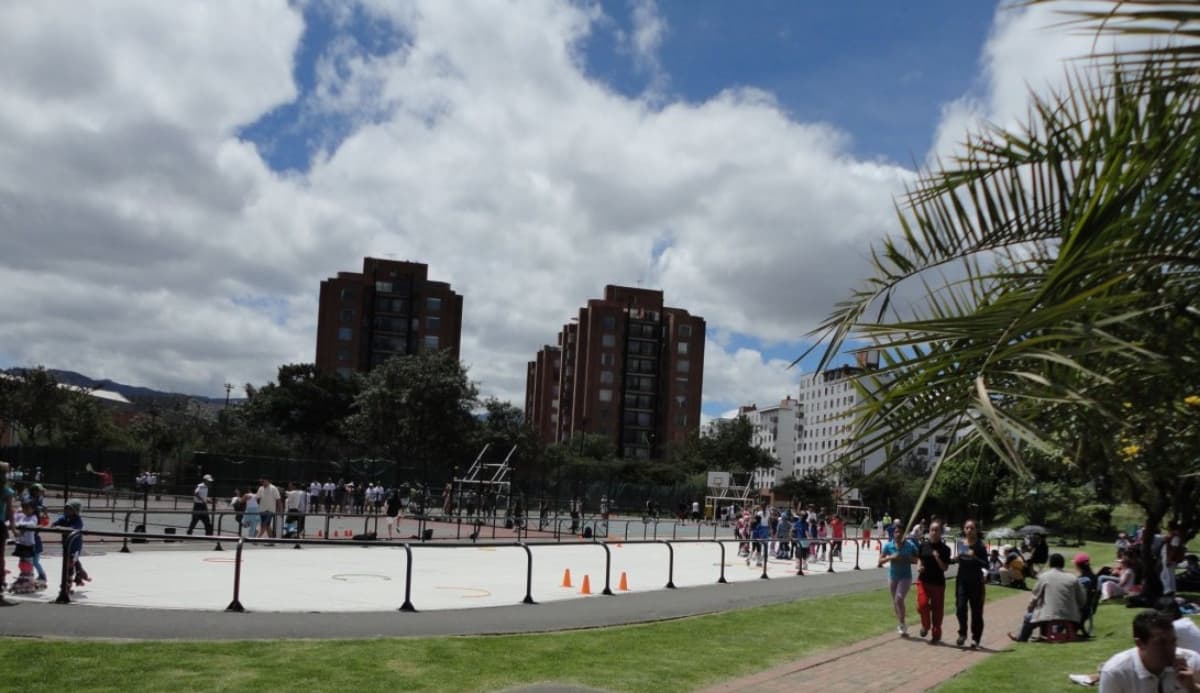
280	578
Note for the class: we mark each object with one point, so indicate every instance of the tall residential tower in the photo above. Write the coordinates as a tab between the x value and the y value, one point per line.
628	368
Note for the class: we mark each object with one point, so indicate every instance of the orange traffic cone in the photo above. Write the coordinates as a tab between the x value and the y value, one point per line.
587	586
567	578
623	585
349	534
320	534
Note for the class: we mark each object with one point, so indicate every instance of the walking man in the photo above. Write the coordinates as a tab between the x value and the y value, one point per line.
268	504
968	592
934	557
899	555
200	506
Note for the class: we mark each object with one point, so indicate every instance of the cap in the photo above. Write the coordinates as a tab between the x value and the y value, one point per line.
207	477
1081	558
77	505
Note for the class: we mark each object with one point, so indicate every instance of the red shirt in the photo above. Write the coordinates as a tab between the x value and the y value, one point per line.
105	479
839	528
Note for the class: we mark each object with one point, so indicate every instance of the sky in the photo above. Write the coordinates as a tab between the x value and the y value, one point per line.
176	179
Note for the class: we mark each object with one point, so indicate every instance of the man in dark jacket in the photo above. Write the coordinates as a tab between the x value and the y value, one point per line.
968	591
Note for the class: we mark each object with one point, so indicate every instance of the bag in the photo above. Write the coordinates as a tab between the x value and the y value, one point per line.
1176	554
140	529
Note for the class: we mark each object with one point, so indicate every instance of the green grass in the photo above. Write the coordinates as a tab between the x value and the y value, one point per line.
1044	667
675	655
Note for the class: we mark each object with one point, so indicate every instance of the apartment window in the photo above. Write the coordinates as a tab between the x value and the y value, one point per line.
608	340
685	331
682	349
345	334
604	394
347	315
433	304
430	341
682	366
607	359
343	354
383	287
345	372
608	323
433	323
681	419
347	294
606	377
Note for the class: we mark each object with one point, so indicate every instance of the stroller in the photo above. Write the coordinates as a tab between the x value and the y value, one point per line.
291	526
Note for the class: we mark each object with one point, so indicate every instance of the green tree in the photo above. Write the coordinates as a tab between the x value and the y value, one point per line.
732	448
304	405
417	410
31	401
811	488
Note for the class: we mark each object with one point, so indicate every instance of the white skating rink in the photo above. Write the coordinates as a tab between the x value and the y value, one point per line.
281	578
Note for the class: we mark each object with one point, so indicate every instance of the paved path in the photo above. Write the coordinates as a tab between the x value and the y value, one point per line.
888	662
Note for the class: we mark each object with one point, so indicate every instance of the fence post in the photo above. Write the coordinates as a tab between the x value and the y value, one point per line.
408	605
528	575
64	587
857	548
125	539
670	565
829	551
765	559
326	524
607	567
236	604
722	579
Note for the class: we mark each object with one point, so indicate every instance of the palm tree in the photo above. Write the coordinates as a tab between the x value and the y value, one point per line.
1039	298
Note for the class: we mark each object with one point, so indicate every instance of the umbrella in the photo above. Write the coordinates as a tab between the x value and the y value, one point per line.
1003	533
1033	529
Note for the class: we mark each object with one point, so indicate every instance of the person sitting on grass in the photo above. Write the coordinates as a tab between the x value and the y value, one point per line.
1013	572
1058	596
1122	583
1158	662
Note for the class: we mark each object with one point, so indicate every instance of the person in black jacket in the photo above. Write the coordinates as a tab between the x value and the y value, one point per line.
972	560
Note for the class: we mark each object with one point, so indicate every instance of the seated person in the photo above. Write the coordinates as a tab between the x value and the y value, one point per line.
1156	663
1058	596
1013	572
1121	583
995	565
1188	580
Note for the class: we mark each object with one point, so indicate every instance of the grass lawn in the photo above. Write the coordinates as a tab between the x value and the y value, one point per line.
674	655
1044	667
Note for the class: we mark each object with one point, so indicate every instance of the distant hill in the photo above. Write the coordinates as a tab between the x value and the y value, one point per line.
131	392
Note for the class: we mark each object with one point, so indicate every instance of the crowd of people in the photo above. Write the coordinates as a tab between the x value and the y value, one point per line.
23	504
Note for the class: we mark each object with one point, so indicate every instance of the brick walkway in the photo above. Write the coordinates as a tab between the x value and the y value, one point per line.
889	662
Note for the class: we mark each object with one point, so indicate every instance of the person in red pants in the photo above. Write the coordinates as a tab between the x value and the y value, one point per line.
934	556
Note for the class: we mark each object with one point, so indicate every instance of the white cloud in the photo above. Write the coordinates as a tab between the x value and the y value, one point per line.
153	246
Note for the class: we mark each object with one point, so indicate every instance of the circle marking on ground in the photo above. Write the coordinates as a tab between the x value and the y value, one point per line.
359	577
482	592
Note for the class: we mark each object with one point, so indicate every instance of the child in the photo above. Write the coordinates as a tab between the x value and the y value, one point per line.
25	522
71	519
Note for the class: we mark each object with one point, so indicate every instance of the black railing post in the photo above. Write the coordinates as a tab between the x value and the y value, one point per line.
408	605
528	575
829	550
857	548
765	559
236	604
722	579
125	539
327	524
607	569
670	565
64	587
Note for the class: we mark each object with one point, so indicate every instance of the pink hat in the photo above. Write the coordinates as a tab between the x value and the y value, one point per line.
1081	558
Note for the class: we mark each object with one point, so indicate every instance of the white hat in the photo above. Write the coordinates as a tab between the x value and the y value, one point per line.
208	478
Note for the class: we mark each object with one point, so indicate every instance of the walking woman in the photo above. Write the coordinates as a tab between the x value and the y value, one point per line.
968	593
899	554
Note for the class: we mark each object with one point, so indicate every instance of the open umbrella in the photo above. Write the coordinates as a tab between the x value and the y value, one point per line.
1003	533
1032	529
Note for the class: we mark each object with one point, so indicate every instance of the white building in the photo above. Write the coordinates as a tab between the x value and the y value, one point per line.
827	401
777	431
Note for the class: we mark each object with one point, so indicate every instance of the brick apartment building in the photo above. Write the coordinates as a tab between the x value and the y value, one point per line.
628	368
390	308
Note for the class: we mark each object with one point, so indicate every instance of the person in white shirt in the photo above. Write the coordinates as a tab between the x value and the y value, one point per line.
200	506
314	496
268	504
1155	664
297	507
327	494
